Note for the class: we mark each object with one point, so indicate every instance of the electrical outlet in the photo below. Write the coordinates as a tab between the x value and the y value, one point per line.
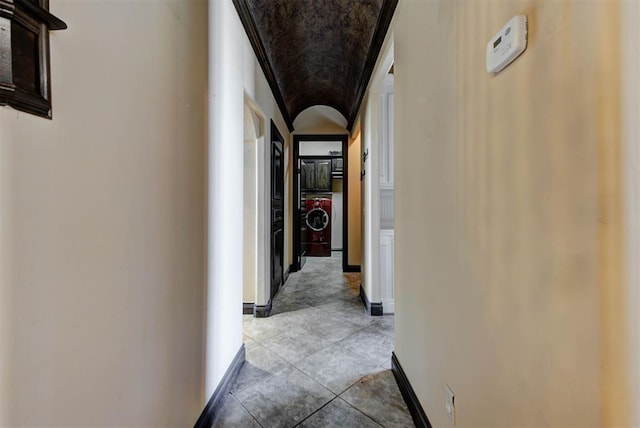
450	404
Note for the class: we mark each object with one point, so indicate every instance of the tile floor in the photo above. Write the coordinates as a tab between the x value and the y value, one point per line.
319	360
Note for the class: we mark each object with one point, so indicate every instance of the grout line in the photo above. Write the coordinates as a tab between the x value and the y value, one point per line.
247	410
316	411
303	282
314	380
358	410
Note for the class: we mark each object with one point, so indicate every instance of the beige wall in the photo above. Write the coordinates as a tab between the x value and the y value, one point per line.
354	207
320	119
235	80
631	153
321	128
102	224
264	99
258	95
508	214
250	204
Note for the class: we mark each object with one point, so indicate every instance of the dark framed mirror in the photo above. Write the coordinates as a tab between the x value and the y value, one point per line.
25	75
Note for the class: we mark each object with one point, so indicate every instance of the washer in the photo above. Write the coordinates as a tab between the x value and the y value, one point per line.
318	221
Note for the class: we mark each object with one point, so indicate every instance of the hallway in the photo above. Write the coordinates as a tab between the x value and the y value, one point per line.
319	360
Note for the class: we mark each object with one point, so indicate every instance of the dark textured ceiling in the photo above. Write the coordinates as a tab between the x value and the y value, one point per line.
317	52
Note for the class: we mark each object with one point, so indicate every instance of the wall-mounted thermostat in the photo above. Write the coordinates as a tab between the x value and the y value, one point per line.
507	44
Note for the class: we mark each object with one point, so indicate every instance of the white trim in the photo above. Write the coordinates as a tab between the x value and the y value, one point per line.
261	253
376	131
386	264
388	307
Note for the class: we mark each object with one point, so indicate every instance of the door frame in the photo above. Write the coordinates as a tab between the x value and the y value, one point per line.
276	136
295	236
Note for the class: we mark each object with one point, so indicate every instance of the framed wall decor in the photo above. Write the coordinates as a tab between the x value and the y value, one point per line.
25	75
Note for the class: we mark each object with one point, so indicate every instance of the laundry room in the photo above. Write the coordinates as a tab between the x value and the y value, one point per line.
321	192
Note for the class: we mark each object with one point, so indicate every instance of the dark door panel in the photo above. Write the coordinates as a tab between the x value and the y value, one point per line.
277	210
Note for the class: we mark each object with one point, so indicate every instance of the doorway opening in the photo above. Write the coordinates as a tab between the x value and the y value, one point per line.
321	198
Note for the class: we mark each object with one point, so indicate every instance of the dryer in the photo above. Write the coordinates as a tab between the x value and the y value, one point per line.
318	222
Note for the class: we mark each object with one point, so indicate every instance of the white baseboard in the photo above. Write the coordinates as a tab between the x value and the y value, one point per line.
387	306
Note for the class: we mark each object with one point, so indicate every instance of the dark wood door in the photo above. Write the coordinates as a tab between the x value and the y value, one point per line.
277	210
